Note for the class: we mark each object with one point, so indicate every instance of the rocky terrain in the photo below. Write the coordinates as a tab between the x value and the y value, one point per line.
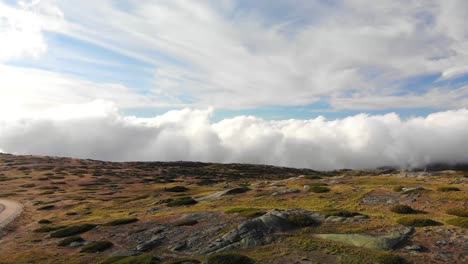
88	211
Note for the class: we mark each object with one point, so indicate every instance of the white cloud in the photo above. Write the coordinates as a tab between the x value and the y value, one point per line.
232	58
22	28
360	141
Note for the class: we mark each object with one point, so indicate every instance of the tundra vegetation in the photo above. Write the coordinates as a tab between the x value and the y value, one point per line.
88	211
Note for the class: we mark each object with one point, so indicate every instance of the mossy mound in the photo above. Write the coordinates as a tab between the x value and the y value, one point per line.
176	189
339	212
402	209
302	220
122	221
417	222
237	190
142	259
187	222
448	189
389	258
72	230
97	246
182	201
319	189
46	229
67	241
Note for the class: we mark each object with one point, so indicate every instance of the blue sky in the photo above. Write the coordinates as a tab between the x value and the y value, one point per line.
276	60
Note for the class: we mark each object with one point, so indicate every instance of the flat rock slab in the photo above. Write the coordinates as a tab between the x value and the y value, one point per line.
385	242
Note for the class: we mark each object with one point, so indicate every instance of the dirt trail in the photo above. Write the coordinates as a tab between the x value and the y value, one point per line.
9	210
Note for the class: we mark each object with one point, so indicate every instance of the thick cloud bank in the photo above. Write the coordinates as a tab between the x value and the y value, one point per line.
99	131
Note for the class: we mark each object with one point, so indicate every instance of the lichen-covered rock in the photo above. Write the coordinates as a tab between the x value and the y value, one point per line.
260	231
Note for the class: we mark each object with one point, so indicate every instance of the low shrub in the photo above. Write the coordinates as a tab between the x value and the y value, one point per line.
97	246
398	188
142	259
237	190
312	177
319	189
176	189
184	261
44	221
389	258
69	240
72	230
181	202
71	213
459	221
229	258
339	212
402	209
122	221
188	222
246	212
462	212
46	207
448	189
417	222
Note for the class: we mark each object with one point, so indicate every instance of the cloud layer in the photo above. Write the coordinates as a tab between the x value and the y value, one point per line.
249	54
97	130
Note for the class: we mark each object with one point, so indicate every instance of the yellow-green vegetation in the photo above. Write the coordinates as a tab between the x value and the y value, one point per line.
229	258
97	246
458	221
247	212
402	209
122	221
462	212
417	221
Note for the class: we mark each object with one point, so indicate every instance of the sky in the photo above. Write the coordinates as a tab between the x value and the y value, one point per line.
322	84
